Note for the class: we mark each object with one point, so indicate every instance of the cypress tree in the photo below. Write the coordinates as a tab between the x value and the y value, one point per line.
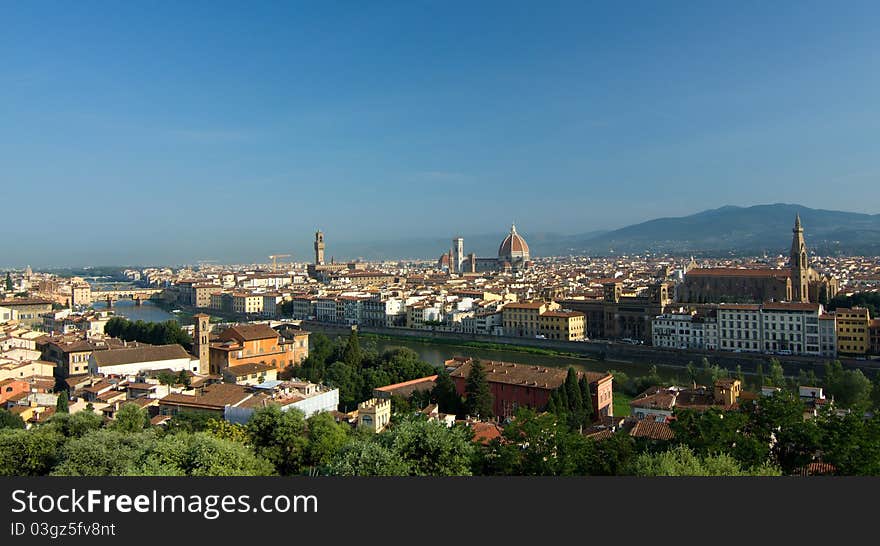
445	394
352	353
61	406
478	397
588	400
575	401
9	286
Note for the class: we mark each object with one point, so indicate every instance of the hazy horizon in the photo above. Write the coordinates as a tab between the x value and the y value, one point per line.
177	132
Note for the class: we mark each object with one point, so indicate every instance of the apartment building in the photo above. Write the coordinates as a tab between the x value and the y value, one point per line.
685	331
853	336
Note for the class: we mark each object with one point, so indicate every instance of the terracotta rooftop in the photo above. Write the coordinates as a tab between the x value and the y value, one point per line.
524	375
737	272
134	355
215	396
248	332
647	428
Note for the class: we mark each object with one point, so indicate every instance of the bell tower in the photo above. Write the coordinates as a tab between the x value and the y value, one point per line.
202	342
799	267
319	248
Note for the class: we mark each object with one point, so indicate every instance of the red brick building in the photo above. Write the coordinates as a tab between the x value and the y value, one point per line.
521	385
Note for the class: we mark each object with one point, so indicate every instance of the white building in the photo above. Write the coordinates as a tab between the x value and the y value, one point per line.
127	361
685	331
739	328
791	328
828	335
310	398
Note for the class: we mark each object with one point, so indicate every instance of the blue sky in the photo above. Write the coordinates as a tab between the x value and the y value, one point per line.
175	131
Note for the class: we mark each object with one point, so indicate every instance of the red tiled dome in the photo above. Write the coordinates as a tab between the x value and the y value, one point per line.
513	247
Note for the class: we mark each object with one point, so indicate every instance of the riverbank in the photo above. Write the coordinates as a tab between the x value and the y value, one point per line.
475	345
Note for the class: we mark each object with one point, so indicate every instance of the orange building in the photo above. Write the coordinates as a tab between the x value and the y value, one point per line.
12	387
258	344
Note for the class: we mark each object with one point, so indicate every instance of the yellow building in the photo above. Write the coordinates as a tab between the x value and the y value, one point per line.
374	414
243	302
524	319
563	325
853	330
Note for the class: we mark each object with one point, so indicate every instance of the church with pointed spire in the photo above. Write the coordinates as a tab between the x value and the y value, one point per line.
807	284
798	283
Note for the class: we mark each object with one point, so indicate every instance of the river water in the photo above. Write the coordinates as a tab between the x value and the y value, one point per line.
147	311
437	354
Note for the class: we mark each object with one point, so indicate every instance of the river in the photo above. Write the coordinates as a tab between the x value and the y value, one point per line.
147	311
438	353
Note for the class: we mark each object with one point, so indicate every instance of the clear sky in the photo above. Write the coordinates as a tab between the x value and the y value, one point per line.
150	131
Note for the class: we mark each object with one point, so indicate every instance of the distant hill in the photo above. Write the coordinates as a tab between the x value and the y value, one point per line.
743	230
729	230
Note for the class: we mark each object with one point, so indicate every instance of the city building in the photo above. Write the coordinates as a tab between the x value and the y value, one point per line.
250	374
874	336
520	385
799	282
853	337
513	255
27	311
257	344
374	414
659	403
685	330
618	315
126	361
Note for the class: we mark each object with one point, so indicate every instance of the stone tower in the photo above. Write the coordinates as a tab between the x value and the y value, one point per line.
458	254
319	248
800	269
202	342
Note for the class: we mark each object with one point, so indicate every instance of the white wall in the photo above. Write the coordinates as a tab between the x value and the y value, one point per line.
175	364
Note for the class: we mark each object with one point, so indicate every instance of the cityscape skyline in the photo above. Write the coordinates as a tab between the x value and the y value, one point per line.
565	120
300	245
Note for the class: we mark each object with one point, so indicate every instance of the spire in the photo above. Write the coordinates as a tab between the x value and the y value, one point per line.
512	228
797	223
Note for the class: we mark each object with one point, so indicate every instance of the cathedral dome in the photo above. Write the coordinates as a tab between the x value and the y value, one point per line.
513	247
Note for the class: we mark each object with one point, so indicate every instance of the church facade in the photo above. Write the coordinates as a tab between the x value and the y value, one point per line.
798	283
513	255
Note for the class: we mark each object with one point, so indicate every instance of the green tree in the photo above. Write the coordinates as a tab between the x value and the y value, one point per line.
131	418
576	417
326	437
478	397
76	425
682	461
188	421
9	286
759	374
105	452
349	382
352	354
587	398
223	429
532	446
850	388
61	405
279	437
446	395
777	376
202	454
28	452
430	448
778	421
10	420
367	457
